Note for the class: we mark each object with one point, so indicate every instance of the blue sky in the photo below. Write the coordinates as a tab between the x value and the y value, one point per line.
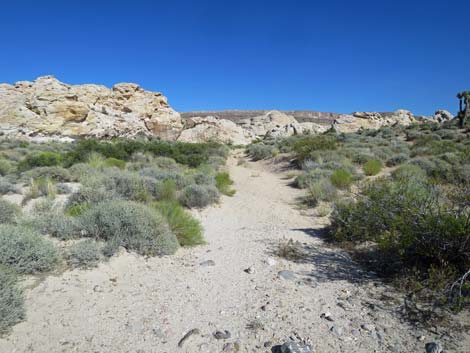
331	55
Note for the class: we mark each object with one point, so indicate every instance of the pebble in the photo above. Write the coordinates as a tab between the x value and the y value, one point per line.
271	262
249	270
287	275
326	316
338	331
231	347
294	347
368	327
267	344
207	263
222	335
433	347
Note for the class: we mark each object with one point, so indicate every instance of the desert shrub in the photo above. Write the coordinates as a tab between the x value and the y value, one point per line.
80	170
26	251
8	212
409	171
48	219
166	190
223	183
40	159
361	156
187	229
84	254
434	167
411	222
341	178
132	225
5	167
204	179
114	162
198	196
259	151
306	179
372	167
52	173
321	190
180	180
216	162
306	145
397	159
6	186
87	196
41	187
63	188
11	300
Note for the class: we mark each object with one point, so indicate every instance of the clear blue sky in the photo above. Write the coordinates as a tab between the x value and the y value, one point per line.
209	55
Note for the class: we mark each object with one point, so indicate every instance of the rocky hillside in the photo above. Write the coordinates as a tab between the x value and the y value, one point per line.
48	108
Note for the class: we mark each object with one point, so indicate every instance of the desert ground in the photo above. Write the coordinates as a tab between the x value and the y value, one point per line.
232	295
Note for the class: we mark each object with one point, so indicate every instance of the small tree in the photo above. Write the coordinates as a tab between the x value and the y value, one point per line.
464	114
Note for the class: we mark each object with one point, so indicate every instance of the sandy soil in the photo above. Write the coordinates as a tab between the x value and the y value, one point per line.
132	304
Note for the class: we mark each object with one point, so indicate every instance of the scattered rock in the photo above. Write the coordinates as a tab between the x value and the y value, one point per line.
433	347
368	327
222	335
249	270
338	331
287	275
98	289
231	347
207	263
194	331
326	316
267	344
293	347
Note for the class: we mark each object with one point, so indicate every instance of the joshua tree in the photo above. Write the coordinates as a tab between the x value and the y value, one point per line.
464	114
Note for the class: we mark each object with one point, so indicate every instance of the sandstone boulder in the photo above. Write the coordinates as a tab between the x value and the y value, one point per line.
48	107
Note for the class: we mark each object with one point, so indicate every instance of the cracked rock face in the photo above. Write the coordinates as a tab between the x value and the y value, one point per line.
47	106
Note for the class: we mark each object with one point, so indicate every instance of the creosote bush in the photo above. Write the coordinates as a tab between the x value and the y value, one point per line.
25	250
187	229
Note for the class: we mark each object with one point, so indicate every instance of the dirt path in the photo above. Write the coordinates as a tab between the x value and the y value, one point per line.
135	305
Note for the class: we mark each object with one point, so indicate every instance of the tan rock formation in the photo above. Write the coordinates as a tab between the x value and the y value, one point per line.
47	106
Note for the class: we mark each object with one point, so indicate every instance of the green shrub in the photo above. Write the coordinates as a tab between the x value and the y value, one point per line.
187	229
372	167
87	196
204	179
305	179
11	301
8	212
409	171
25	250
84	254
341	178
166	190
306	145
259	151
41	159
41	187
134	226
5	167
321	190
223	183
199	196
114	162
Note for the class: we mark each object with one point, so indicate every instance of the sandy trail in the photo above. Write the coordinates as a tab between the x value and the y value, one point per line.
131	304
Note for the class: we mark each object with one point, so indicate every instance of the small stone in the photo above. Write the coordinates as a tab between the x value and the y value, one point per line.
433	347
222	335
336	330
287	275
355	333
326	316
267	344
249	270
421	338
231	347
207	263
294	347
368	327
98	289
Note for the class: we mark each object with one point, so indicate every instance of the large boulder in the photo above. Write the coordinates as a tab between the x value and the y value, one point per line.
48	107
441	116
260	125
372	120
210	128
